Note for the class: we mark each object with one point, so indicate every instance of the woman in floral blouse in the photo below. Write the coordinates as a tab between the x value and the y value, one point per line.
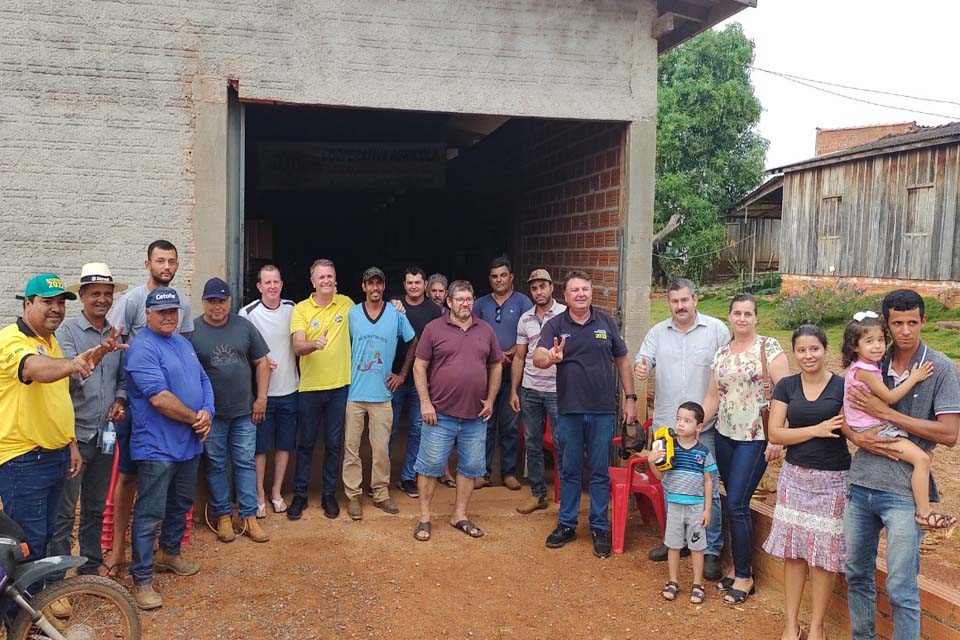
735	396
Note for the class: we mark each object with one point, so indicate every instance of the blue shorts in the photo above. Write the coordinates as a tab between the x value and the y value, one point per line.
436	443
125	465
278	429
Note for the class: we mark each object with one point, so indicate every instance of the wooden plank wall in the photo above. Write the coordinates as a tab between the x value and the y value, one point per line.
897	217
740	242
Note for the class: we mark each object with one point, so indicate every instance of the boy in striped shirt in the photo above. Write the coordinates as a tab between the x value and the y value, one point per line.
685	485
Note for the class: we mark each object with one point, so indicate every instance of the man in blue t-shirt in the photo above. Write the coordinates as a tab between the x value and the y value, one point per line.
502	309
172	402
375	330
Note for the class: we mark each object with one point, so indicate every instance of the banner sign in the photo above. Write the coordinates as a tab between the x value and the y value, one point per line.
352	165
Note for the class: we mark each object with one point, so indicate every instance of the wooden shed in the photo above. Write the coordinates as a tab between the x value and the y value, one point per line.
753	229
882	214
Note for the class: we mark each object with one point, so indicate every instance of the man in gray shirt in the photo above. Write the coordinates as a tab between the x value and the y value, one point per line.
99	399
880	495
681	349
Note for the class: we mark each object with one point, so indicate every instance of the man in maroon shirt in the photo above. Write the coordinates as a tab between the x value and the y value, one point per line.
457	372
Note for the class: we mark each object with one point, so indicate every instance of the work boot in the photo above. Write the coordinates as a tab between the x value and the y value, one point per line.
532	504
225	529
387	505
711	567
163	561
355	509
253	529
510	482
146	598
480	483
61	608
331	508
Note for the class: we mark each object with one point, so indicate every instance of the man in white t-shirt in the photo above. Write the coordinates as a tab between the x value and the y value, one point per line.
278	431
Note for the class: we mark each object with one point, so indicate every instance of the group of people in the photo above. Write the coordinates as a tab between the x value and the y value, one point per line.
276	377
735	407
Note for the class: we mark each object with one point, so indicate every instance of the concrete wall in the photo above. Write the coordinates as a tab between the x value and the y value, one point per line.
99	106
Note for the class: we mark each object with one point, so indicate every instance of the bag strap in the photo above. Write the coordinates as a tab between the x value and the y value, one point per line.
764	372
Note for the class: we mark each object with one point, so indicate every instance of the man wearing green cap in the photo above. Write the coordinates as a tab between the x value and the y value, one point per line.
38	451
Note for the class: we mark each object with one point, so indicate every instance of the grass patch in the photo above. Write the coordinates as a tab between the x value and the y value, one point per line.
945	341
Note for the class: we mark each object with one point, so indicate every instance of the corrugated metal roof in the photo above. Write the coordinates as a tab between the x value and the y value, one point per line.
927	136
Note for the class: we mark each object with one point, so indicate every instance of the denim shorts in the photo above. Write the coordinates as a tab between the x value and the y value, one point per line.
125	464
278	429
436	443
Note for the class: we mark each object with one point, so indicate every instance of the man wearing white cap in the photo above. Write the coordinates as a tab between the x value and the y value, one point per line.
97	401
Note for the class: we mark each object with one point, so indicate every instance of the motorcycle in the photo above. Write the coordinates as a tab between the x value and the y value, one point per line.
90	607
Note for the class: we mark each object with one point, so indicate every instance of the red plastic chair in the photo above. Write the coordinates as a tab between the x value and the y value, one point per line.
549	446
628	480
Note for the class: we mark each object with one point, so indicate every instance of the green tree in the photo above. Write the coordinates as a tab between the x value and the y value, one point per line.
709	154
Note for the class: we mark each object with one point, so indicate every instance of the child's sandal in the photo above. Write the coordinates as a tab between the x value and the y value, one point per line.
669	591
934	520
697	594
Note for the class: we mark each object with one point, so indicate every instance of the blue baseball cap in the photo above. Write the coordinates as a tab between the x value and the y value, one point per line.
216	288
163	298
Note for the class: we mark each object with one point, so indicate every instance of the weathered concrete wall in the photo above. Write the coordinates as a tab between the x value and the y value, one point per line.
98	135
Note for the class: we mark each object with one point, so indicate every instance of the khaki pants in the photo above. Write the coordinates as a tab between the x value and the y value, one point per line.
381	419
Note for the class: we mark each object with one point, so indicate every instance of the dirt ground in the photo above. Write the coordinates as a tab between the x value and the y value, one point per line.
320	578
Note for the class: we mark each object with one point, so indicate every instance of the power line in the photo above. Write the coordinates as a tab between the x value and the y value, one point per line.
870	102
844	86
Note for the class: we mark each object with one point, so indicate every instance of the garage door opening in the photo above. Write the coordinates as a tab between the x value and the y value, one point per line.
448	192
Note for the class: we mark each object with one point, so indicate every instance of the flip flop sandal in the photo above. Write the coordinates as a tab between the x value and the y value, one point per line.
422	527
697	594
449	482
111	570
669	591
468	528
934	520
725	584
279	506
261	511
736	596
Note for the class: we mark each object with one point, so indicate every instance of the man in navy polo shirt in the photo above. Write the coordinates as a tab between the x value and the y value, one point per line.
502	309
585	345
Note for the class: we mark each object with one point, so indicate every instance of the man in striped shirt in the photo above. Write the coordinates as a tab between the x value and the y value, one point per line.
537	396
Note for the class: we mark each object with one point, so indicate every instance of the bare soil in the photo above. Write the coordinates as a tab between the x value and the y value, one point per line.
320	578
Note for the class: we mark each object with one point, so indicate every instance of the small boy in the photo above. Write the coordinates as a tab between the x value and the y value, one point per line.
685	485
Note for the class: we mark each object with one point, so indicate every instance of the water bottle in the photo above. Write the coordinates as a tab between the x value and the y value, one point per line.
108	439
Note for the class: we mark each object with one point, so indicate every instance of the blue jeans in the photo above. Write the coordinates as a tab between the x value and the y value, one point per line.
278	429
534	407
239	436
741	466
593	433
507	422
90	488
866	512
330	406
437	442
715	529
31	485
406	396
166	491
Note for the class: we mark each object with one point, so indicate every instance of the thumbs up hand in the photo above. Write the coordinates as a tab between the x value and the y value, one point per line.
641	370
321	342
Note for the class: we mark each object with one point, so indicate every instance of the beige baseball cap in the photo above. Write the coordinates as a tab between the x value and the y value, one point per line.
539	274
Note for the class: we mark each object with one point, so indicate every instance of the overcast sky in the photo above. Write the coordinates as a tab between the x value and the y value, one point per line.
911	48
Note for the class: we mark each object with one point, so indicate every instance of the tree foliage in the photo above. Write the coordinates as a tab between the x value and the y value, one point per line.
709	154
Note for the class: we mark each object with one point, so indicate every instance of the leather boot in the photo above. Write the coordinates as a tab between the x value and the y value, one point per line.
146	598
254	531
163	561
225	529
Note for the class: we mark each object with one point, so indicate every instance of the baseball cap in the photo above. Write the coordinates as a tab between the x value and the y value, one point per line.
46	285
539	274
163	298
216	288
96	273
373	272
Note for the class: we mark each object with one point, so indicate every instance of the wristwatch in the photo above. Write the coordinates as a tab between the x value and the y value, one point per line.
631	396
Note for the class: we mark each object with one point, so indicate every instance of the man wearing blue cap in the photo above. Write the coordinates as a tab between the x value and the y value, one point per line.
38	450
228	347
172	403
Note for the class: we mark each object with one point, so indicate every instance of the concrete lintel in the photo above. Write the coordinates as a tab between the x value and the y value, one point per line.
210	89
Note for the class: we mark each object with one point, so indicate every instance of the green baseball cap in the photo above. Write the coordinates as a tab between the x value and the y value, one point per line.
46	285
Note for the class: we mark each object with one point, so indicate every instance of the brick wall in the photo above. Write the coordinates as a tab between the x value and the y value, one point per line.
830	140
573	203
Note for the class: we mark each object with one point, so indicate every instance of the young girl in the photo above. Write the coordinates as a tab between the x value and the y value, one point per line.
864	345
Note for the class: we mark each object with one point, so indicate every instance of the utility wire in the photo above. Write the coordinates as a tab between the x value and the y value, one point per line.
844	86
870	102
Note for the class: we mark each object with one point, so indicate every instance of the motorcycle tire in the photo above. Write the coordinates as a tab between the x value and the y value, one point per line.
105	590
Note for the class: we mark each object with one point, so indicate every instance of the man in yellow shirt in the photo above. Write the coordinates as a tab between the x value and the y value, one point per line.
38	450
321	337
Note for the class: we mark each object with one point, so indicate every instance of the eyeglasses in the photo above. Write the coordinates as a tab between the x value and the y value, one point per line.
462	300
499	314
